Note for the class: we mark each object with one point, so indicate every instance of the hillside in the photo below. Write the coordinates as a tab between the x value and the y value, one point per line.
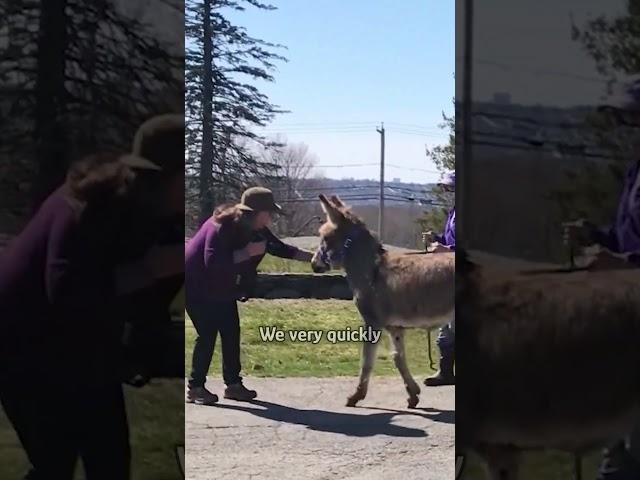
365	192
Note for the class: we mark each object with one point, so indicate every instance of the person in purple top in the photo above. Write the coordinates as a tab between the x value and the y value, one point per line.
60	383
446	337
622	461
61	316
224	252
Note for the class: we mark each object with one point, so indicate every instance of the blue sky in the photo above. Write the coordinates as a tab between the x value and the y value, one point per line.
356	63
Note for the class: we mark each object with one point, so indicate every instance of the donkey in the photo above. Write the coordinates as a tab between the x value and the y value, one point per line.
584	324
391	291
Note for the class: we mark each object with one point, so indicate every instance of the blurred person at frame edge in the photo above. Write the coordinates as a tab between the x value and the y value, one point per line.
446	340
622	461
62	284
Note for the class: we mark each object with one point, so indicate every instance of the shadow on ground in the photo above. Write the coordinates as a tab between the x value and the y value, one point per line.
350	424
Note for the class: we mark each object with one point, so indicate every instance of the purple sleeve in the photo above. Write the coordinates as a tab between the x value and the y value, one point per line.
218	254
277	247
624	234
59	263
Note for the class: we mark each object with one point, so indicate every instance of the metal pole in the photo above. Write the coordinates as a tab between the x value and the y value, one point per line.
381	213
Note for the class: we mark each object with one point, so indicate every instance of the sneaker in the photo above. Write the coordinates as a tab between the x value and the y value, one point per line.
239	392
201	396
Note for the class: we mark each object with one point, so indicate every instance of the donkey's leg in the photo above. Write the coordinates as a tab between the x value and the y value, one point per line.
400	359
367	361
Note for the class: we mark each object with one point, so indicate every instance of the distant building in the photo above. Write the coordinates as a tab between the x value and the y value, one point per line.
396	180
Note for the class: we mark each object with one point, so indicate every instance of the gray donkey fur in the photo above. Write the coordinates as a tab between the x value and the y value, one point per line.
391	291
583	325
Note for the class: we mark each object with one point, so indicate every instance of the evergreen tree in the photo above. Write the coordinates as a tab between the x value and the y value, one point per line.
79	77
223	104
444	158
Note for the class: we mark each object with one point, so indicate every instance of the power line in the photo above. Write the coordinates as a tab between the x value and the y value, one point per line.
372	198
350	187
318	128
412	169
346	165
318	132
375	164
348	128
415	126
317	125
323	123
418	134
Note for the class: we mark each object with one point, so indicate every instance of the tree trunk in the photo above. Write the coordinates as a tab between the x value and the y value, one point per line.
50	93
205	194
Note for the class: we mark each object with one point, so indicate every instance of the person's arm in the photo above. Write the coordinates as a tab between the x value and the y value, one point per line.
59	262
70	282
624	235
278	248
220	257
439	238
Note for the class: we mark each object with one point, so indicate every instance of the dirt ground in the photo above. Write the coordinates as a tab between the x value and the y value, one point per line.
299	428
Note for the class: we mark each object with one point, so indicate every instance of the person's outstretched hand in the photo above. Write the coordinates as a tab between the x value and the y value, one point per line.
577	233
428	238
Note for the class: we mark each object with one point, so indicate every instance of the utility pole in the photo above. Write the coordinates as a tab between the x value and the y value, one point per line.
381	213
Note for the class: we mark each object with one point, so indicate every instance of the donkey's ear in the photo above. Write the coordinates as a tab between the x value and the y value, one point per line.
332	212
336	201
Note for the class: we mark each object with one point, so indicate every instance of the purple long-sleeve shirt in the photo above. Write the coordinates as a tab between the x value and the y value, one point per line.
624	235
56	282
448	237
210	271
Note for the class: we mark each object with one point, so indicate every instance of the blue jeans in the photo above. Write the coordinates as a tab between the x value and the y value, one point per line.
446	340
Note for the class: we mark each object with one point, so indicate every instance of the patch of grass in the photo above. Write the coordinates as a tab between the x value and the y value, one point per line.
539	465
296	359
271	264
156	419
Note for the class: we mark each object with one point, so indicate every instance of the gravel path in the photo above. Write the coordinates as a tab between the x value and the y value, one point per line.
299	429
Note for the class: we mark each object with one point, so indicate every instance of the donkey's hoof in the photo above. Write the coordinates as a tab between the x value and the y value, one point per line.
412	402
352	401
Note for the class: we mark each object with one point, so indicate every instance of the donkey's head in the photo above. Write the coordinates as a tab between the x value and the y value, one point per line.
338	235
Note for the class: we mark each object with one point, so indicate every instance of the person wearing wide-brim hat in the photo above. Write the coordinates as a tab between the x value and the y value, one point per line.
622	461
226	249
446	340
60	381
